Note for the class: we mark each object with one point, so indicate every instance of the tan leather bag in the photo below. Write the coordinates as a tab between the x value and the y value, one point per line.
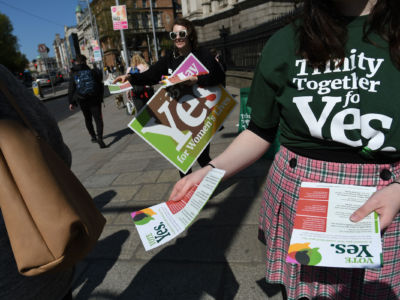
51	219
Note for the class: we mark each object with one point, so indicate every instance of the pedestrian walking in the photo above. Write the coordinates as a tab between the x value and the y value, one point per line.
185	42
86	90
329	81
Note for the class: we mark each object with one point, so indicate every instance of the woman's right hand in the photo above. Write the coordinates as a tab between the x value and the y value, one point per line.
186	183
121	78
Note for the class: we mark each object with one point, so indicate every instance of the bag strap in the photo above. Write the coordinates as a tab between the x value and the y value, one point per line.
11	99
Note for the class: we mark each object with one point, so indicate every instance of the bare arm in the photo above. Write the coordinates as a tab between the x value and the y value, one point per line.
241	153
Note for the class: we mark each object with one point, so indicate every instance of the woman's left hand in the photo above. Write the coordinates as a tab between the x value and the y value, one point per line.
386	202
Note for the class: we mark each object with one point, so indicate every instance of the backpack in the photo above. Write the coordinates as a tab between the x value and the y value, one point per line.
85	83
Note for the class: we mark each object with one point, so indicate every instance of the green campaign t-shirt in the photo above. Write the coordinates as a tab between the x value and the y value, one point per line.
356	104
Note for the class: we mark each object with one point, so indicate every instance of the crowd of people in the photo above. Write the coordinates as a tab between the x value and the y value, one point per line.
302	85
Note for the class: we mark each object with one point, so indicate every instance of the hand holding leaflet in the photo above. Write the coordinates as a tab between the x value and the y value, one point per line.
119	87
163	222
385	202
324	236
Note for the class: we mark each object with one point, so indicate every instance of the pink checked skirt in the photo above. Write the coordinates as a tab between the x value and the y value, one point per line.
276	222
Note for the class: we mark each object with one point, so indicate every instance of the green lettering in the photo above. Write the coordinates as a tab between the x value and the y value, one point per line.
365	251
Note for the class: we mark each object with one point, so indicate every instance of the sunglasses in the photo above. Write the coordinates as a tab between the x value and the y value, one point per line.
179	34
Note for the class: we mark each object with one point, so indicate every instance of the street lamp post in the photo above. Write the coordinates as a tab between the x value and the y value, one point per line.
154	29
123	42
223	33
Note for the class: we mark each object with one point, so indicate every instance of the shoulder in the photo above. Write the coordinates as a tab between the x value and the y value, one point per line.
279	49
202	51
282	41
74	70
204	55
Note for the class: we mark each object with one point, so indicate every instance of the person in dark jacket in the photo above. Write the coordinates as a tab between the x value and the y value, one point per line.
86	90
185	42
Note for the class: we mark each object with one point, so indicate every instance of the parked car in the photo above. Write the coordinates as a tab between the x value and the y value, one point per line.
26	78
43	80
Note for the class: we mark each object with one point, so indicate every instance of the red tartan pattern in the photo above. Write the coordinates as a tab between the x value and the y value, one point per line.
276	221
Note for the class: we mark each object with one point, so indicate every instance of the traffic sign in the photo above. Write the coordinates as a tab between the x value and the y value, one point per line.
42	48
44	55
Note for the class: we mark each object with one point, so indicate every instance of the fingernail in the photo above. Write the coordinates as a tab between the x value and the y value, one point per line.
353	218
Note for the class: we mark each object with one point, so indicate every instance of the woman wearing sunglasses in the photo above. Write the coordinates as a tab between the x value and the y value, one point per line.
185	42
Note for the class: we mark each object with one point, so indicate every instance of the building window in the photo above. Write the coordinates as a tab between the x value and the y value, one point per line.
144	3
159	20
155	19
245	56
135	21
145	20
153	3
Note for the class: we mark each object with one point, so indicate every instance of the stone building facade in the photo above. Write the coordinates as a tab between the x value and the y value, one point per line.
85	33
238	29
71	43
60	53
66	49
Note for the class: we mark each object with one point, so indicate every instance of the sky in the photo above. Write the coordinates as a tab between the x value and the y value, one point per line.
37	22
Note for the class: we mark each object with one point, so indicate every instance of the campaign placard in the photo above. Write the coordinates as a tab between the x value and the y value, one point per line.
191	66
323	234
119	17
181	120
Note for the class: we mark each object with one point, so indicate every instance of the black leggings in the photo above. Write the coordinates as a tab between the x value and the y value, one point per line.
203	160
93	111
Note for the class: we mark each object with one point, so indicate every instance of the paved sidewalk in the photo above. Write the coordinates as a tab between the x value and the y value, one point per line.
218	257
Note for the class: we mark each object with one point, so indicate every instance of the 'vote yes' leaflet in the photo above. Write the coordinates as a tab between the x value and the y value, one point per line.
323	234
163	222
180	120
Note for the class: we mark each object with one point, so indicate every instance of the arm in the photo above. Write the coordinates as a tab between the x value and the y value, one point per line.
249	145
235	158
150	77
99	79
71	90
386	202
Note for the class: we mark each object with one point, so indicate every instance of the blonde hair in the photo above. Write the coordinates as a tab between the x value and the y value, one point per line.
137	60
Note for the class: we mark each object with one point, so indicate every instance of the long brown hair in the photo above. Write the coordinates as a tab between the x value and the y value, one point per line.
322	33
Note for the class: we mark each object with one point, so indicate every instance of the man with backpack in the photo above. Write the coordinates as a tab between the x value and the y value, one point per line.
86	90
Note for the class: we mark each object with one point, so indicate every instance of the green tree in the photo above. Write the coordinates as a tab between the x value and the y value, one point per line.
10	56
